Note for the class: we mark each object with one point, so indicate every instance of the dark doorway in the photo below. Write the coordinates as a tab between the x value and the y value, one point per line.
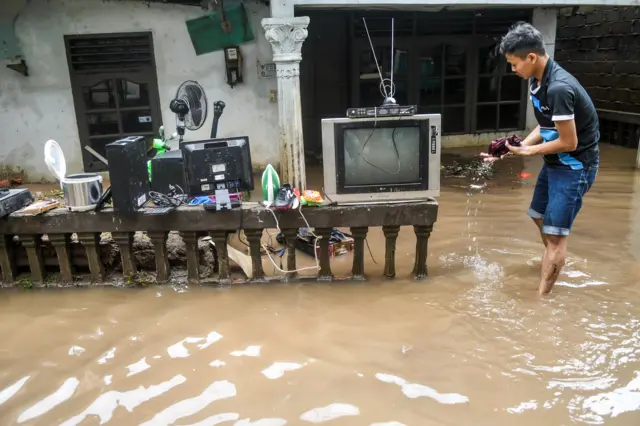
115	90
444	62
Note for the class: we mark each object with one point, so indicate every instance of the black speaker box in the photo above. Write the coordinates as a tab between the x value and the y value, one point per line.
167	169
128	173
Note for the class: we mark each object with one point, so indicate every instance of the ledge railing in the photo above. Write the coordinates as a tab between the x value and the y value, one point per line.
19	232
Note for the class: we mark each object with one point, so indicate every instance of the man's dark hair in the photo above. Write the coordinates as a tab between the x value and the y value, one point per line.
522	39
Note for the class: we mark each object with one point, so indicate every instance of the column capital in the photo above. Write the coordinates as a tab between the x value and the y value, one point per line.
286	36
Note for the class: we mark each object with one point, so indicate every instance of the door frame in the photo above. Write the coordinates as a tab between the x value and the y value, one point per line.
140	75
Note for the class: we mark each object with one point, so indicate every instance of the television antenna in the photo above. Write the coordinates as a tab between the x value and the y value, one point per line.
387	86
390	107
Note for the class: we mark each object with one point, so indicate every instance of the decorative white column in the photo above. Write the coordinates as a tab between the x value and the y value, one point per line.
286	36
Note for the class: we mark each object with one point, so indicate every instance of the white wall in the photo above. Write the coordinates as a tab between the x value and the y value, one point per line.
40	107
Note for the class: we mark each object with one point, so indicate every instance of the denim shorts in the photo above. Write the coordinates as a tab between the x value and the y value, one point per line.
557	198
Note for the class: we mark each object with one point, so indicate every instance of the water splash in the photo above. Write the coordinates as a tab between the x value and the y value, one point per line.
478	175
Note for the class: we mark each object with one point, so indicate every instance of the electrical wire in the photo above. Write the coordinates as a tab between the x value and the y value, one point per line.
388	91
173	199
315	244
395	147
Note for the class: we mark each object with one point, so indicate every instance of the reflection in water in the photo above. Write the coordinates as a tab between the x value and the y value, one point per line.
277	369
65	392
138	367
414	390
105	405
474	345
7	393
110	354
251	351
187	407
179	350
330	412
76	351
261	422
217	419
618	401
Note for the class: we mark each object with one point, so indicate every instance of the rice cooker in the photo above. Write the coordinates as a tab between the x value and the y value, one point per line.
82	190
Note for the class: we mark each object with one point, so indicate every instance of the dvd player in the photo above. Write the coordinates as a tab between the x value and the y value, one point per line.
383	111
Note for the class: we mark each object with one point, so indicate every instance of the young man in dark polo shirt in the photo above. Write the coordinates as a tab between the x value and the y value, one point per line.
567	137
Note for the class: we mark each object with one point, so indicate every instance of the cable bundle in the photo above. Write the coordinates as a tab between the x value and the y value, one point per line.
175	198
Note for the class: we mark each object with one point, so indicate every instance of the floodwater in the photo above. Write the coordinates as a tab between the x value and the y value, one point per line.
473	345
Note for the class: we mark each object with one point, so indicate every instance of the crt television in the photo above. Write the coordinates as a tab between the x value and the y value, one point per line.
217	164
381	159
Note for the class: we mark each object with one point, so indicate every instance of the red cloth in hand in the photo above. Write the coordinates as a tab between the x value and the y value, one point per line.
498	147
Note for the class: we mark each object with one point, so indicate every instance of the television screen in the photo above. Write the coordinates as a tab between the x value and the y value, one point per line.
382	156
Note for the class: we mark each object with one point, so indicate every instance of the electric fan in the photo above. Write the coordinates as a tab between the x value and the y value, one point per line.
190	107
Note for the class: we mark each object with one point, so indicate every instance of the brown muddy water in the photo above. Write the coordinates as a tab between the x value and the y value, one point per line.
473	345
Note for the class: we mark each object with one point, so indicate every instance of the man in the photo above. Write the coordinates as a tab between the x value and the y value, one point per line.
567	137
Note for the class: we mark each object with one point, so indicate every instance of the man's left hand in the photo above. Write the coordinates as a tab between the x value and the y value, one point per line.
524	151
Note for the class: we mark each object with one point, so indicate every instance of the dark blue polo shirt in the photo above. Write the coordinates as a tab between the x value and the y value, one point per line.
561	97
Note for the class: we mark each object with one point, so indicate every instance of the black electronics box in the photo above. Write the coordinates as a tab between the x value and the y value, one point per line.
166	170
217	164
128	173
12	200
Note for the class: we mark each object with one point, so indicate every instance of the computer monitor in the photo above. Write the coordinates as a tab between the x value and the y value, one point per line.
223	163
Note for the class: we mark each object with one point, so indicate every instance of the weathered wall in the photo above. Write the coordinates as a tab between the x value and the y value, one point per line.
601	47
545	20
40	107
9	46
